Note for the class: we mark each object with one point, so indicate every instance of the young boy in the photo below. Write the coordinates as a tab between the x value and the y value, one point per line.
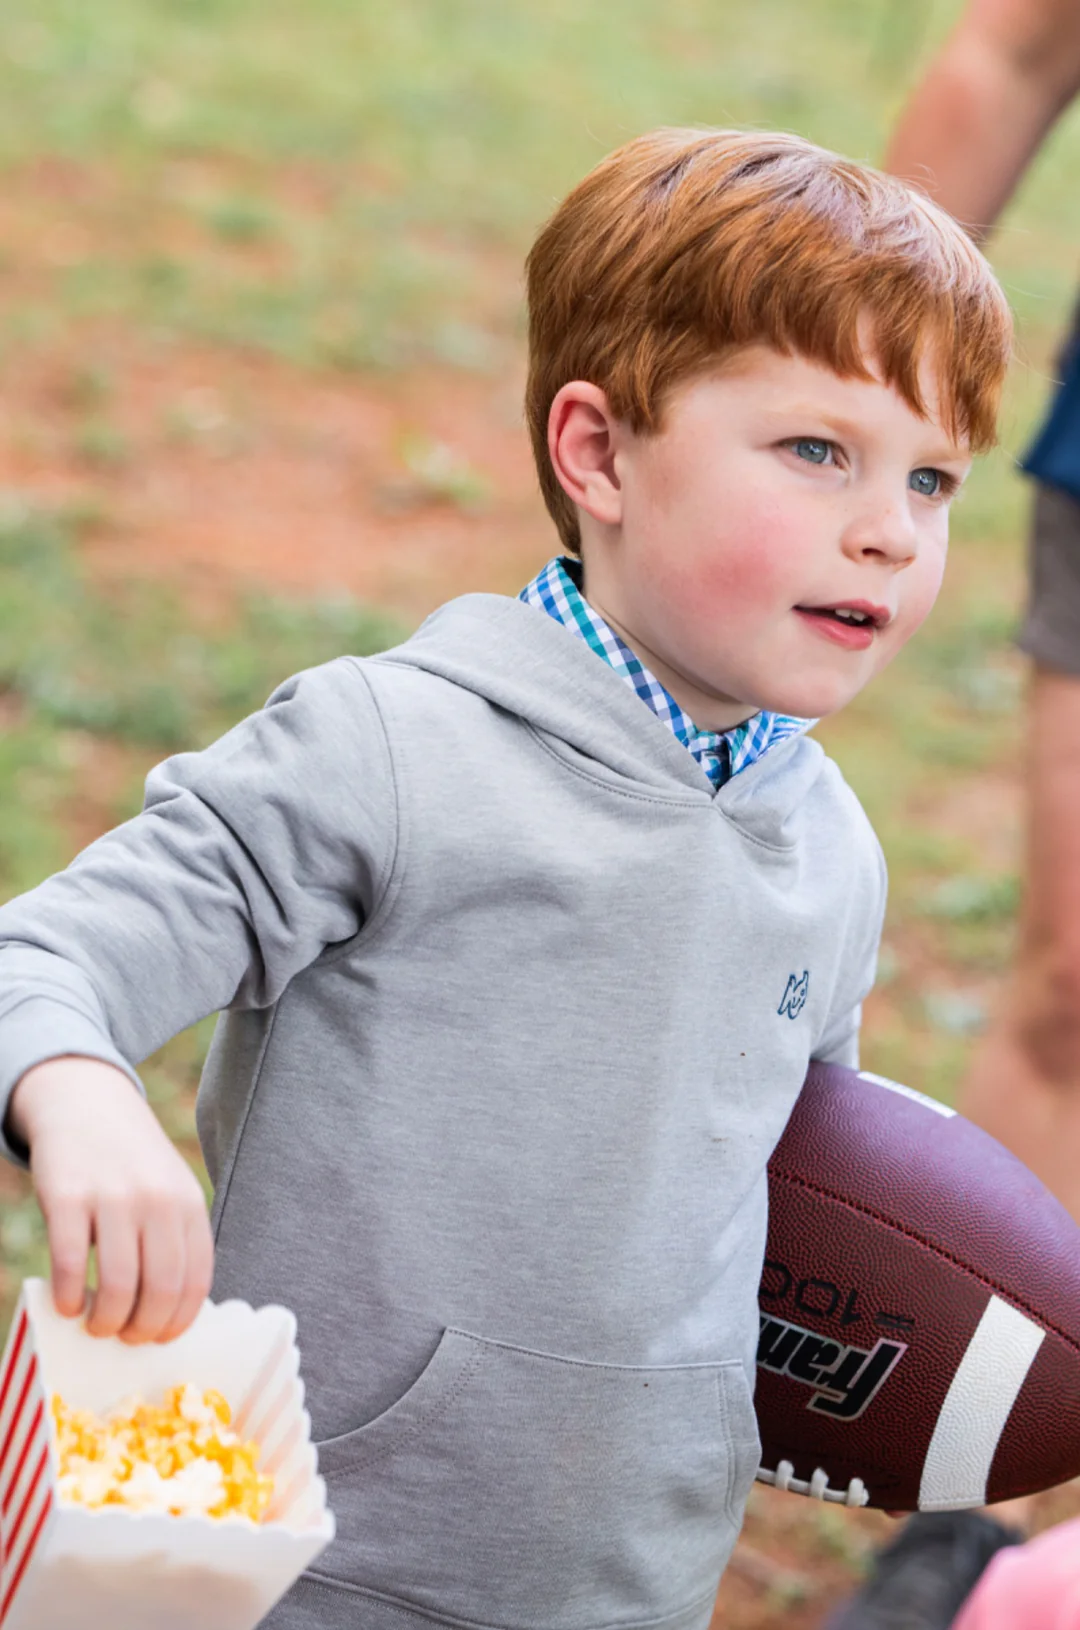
527	930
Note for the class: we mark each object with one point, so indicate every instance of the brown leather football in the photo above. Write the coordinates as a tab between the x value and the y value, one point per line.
920	1307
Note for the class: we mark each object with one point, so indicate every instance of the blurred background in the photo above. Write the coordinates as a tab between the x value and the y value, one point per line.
261	350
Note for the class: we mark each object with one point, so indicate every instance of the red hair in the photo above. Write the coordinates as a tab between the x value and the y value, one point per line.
684	245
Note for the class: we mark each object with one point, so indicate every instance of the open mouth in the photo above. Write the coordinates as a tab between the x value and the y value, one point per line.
850	626
853	616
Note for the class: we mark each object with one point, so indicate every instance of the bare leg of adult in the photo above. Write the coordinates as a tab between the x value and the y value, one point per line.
1024	1085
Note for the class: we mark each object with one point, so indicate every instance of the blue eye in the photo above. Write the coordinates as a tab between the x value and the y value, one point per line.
927	483
812	450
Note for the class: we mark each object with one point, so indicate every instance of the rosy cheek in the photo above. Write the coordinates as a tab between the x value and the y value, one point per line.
739	575
730	549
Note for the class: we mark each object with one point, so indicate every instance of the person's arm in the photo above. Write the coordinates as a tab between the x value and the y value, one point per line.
988	100
248	860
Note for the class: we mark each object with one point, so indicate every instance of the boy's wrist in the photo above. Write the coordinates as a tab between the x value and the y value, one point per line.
46	1088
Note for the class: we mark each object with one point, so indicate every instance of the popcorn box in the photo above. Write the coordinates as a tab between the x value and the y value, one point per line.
62	1566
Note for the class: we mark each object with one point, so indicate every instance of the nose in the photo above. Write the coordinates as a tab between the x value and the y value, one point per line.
883	530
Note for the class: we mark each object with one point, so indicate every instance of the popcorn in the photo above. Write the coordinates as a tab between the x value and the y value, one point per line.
157	1510
178	1457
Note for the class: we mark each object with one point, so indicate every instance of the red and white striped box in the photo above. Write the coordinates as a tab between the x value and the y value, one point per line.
63	1566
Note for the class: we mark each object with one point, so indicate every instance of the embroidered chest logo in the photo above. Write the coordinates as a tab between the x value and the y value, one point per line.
795	996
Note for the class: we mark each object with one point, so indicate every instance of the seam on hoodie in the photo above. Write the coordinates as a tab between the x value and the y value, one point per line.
389	885
63	1000
99	1019
373	923
438	1406
406	1609
394	659
687	801
869	942
691	1366
228	1171
751	837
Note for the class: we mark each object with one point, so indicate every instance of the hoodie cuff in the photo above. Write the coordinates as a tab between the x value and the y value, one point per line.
41	1028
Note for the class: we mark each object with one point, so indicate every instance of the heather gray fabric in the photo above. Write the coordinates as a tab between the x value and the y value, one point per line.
517	1009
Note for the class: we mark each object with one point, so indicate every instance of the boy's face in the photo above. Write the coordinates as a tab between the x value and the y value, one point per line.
778	541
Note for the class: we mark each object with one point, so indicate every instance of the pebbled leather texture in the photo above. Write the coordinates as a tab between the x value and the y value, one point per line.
892	1228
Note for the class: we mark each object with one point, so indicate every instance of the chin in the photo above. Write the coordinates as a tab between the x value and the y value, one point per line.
813	702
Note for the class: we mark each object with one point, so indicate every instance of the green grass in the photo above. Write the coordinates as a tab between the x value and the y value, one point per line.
346	186
134	664
373	158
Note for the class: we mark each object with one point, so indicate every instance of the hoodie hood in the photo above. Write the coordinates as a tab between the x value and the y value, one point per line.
527	664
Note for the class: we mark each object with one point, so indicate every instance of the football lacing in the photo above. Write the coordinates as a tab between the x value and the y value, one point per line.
818	1486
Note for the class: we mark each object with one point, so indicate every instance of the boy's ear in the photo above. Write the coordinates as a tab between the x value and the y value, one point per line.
582	437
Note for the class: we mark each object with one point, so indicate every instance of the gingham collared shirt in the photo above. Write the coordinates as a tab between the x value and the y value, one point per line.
721	754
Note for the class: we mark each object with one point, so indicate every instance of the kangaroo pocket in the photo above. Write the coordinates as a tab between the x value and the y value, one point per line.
532	1492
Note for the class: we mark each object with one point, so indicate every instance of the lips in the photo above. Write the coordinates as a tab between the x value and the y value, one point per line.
851	624
859	613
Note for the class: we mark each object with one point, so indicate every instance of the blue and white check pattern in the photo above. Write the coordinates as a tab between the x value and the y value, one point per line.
721	754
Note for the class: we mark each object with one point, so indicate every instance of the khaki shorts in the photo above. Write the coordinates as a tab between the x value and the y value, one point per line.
1050	631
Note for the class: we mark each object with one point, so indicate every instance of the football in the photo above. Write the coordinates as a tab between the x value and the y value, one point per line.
920	1308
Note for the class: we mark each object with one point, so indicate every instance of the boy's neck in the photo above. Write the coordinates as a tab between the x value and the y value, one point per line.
708	712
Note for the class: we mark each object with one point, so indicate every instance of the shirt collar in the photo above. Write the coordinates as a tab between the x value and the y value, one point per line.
721	754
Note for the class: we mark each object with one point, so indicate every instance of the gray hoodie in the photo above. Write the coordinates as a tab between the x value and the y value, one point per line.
516	1010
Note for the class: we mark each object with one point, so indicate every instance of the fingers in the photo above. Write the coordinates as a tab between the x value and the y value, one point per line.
67	1223
153	1273
106	1175
161	1280
176	1262
200	1272
118	1268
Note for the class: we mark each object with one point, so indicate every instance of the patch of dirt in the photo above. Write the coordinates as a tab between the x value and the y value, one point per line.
235	469
216	465
794	1561
12	710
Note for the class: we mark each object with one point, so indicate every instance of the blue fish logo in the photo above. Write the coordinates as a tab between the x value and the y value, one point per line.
796	994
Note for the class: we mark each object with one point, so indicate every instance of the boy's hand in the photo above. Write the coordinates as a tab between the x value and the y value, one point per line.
106	1174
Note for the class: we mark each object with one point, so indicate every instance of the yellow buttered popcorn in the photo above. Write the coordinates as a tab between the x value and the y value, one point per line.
179	1457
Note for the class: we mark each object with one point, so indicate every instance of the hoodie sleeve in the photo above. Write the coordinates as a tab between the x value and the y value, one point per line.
247	861
838	1042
